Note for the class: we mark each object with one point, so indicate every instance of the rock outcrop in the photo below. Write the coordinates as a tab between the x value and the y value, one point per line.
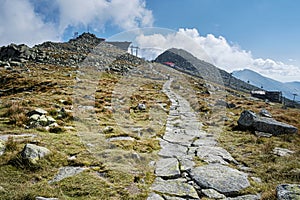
249	120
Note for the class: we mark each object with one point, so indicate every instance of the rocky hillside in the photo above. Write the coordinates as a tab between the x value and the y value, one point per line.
85	120
186	62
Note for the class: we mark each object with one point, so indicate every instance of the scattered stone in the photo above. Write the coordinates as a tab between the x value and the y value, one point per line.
256	179
250	120
262	134
124	138
213	194
224	179
265	113
38	111
66	172
44	198
176	187
108	129
141	107
2	147
282	151
215	155
34	117
288	191
167	168
33	153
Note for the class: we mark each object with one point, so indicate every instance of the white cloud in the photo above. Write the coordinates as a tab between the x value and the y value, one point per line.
218	51
20	24
33	21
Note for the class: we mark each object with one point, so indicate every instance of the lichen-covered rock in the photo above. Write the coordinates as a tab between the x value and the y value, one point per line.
224	179
250	120
33	153
288	191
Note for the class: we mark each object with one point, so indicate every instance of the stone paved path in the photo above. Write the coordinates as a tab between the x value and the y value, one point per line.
183	141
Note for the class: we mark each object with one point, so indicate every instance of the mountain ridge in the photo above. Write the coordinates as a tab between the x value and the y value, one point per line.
287	88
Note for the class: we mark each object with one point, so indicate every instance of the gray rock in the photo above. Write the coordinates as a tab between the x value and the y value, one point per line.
44	198
108	129
66	172
282	151
250	120
167	168
224	179
33	153
124	138
186	162
288	191
213	194
262	134
38	111
43	120
265	113
171	150
141	106
215	155
2	147
34	117
154	196
176	187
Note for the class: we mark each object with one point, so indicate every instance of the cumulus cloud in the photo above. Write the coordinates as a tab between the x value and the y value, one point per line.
19	23
33	21
216	50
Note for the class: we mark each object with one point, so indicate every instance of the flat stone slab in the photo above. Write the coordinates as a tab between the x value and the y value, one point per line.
171	150
186	162
66	172
215	155
282	151
167	168
121	138
176	187
224	179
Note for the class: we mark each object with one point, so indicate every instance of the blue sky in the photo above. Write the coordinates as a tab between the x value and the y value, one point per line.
262	35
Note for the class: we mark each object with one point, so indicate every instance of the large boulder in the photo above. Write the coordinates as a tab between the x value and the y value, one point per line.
250	120
33	153
288	191
223	179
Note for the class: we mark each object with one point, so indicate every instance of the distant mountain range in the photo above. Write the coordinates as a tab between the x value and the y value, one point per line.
254	78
